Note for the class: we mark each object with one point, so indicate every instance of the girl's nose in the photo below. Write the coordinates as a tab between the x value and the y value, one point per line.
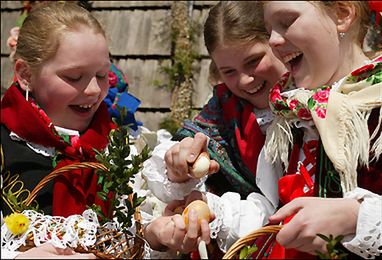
93	87
245	79
276	39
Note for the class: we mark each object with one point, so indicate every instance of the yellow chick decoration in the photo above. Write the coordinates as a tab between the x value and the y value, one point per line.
17	223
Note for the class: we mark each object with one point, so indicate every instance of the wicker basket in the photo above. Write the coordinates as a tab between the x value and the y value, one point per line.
268	231
110	244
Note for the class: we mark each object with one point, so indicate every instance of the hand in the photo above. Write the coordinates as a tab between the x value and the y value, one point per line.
335	216
183	154
177	206
170	232
48	251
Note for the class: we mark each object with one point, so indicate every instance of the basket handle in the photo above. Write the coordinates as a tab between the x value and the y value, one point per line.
240	243
61	171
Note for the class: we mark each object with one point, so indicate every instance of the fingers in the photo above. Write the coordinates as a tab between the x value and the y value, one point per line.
179	228
177	167
287	235
174	207
286	211
191	239
205	231
198	146
311	247
214	167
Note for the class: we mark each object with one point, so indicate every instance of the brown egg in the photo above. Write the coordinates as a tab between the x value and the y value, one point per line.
201	166
201	209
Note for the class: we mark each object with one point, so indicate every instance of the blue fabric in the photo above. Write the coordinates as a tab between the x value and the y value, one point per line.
119	97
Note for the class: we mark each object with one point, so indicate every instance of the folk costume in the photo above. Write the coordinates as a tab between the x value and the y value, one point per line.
335	136
32	147
236	132
342	162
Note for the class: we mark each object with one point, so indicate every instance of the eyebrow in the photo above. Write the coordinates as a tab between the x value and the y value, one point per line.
76	67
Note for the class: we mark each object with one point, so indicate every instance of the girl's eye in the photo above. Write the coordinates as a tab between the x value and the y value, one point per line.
286	23
73	79
101	76
228	72
253	62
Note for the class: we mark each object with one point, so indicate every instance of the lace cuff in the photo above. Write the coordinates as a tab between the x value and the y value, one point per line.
154	170
219	230
368	239
235	218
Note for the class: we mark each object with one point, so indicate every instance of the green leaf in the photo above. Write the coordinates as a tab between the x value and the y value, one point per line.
243	253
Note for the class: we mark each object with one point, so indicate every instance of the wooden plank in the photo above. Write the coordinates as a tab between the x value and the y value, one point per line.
199	17
151	120
137	32
108	4
8	21
6	73
141	75
203	89
11	4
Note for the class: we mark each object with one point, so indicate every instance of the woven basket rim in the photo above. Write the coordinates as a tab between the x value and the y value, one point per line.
241	242
138	253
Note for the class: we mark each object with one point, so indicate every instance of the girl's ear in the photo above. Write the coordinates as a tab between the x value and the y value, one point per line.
23	74
346	14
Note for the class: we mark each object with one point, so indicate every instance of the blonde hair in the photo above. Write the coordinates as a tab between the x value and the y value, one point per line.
42	28
234	22
362	21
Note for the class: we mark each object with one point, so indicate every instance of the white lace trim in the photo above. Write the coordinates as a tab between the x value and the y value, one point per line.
154	170
368	239
218	209
62	232
45	151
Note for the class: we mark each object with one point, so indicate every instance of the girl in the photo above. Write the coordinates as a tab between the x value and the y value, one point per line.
54	115
235	120
334	120
59	87
326	161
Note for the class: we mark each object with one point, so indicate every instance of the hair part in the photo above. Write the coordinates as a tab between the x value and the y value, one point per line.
42	29
234	22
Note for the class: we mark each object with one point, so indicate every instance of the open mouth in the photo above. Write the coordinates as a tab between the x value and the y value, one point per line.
256	89
293	59
82	108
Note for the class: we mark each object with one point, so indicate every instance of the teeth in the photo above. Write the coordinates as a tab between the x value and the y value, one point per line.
257	88
85	106
291	56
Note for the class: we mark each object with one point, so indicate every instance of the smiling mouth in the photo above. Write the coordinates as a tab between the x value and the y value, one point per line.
82	108
293	59
256	89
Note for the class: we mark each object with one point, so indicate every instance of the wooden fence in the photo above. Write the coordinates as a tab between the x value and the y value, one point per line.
140	43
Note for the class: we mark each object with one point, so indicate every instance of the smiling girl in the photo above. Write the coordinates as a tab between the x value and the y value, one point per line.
334	120
53	115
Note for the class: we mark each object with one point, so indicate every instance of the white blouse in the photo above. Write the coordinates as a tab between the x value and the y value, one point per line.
236	218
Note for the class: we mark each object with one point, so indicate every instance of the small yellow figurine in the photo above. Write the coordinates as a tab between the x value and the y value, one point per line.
17	223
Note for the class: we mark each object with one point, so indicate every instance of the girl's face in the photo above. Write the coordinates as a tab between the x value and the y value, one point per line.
305	38
71	85
249	71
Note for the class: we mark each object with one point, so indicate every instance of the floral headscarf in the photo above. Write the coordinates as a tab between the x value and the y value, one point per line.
340	116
